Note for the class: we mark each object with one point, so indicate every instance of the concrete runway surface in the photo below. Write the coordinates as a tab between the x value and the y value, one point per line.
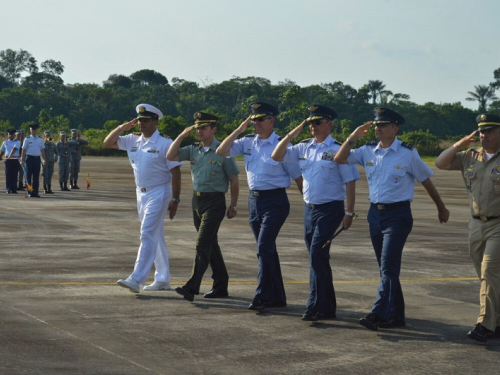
61	311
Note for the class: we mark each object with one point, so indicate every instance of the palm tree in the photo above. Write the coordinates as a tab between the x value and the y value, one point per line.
376	89
483	94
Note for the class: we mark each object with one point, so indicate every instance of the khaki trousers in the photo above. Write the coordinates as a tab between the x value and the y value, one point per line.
484	249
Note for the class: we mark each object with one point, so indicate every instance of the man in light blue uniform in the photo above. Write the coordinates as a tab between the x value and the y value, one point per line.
325	186
268	203
391	167
10	148
33	148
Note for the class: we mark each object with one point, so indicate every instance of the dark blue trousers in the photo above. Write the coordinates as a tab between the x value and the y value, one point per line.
267	213
33	165
320	224
11	169
389	229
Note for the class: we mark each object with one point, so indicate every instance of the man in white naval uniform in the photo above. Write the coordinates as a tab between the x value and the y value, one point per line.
157	180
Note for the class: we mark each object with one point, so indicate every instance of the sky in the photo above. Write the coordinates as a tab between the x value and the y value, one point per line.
433	50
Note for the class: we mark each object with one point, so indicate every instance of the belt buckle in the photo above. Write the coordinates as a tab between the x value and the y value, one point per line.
255	193
484	219
198	194
143	190
380	207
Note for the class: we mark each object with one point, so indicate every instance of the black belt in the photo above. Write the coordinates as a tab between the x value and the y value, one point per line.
388	206
263	193
32	156
313	206
203	194
484	219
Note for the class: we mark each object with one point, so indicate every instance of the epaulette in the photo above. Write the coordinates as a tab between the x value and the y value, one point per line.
306	140
474	149
338	143
197	144
164	136
371	143
249	136
136	133
407	145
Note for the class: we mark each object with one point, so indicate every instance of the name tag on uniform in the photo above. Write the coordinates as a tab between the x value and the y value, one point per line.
370	163
153	150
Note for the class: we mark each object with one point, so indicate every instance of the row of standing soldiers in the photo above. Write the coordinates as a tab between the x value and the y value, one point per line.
67	152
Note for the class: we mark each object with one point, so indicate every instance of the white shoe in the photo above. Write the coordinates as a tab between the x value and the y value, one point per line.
131	284
158	285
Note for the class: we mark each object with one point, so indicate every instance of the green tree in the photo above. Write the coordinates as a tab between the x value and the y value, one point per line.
482	94
118	80
376	90
148	77
14	63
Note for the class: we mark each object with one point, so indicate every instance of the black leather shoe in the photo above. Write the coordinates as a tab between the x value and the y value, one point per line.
326	316
216	294
481	333
392	323
310	316
370	321
185	292
257	305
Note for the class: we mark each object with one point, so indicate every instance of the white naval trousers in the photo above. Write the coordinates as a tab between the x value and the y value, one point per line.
152	208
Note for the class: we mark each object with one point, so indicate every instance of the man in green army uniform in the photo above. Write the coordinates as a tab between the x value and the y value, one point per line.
64	157
50	159
211	175
75	146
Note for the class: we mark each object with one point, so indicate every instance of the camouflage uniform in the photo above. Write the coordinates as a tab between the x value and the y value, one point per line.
48	169
63	155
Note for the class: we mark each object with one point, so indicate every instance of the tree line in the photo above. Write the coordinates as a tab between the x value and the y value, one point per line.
32	92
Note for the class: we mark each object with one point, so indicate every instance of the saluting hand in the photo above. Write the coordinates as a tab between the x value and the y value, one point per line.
360	131
296	131
128	125
466	141
186	132
244	125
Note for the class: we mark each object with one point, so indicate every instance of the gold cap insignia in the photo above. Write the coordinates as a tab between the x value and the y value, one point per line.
312	108
483	117
142	109
198	115
379	110
255	105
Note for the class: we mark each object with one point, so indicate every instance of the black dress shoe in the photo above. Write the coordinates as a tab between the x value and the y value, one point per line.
371	321
310	316
326	316
392	323
481	333
257	305
185	292
216	294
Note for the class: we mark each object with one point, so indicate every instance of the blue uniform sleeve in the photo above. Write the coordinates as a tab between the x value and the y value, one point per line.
348	173
418	168
356	156
237	148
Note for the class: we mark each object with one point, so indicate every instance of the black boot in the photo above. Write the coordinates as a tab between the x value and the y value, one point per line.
45	190
49	189
62	187
75	186
66	186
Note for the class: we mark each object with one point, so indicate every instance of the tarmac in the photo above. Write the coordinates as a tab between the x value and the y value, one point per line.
61	311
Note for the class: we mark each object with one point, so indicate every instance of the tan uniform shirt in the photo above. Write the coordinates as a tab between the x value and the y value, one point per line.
482	180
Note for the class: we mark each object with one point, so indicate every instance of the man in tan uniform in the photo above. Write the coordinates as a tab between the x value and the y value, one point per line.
481	172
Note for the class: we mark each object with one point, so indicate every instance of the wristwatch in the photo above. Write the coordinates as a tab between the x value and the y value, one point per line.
176	200
234	208
351	214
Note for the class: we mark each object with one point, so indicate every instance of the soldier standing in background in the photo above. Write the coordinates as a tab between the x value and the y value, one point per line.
75	146
20	173
62	150
10	148
50	159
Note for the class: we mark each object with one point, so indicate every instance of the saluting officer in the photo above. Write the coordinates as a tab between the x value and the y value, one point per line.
211	175
63	157
391	167
10	148
156	179
33	149
480	168
75	152
326	185
50	158
268	203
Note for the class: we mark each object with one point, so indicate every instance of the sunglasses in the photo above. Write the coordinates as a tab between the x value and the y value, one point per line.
316	122
260	119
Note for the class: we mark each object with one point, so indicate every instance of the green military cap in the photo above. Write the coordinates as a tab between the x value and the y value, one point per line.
486	121
203	119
